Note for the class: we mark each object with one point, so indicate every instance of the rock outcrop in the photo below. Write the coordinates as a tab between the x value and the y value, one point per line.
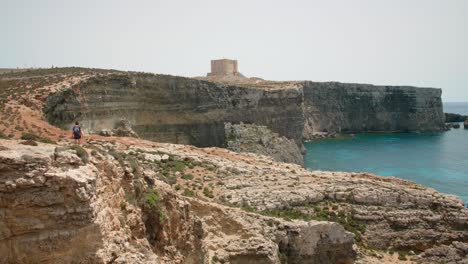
261	140
353	108
124	129
46	211
383	212
66	204
449	117
456	252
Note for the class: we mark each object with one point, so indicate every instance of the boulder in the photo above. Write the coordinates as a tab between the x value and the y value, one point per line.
465	124
106	133
124	129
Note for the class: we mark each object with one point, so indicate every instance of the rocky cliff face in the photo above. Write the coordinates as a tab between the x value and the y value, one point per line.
175	109
188	111
354	108
260	140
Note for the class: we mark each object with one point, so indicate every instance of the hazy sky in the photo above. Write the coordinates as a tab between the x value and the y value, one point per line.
411	42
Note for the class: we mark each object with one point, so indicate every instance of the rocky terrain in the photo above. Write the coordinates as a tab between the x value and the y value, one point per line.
113	203
134	201
260	140
128	200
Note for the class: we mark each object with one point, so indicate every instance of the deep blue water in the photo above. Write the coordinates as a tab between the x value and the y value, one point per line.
437	160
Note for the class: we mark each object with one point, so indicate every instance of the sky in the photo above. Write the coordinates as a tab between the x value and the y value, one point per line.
388	42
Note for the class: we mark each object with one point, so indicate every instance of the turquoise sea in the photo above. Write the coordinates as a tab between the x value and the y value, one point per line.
437	160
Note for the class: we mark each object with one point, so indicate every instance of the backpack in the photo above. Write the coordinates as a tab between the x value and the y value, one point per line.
76	131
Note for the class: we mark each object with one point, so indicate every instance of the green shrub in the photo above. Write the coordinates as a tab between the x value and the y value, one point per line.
189	193
246	207
177	187
177	165
81	152
32	136
207	192
402	255
152	198
187	176
29	136
46	140
162	216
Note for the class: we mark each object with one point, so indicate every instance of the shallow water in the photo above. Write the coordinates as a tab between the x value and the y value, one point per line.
437	160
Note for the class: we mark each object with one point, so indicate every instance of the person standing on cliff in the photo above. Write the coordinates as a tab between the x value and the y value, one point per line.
77	133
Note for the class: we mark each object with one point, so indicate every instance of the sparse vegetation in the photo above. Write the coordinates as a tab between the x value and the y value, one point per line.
29	143
117	156
81	152
208	192
34	137
187	176
152	198
134	166
319	213
189	192
402	255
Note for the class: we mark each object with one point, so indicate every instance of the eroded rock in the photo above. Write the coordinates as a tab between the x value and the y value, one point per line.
260	140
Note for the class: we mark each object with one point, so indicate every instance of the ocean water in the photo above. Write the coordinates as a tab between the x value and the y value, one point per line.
437	160
456	108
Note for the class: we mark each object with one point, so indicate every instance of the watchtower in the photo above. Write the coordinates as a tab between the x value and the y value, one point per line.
223	67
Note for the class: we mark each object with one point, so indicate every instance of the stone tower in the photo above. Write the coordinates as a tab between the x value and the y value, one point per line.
223	67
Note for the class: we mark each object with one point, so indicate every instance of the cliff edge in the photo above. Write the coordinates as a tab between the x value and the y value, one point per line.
136	201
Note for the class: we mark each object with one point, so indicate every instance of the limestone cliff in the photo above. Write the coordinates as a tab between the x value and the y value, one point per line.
175	109
188	111
355	108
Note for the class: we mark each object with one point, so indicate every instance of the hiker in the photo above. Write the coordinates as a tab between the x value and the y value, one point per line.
77	133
